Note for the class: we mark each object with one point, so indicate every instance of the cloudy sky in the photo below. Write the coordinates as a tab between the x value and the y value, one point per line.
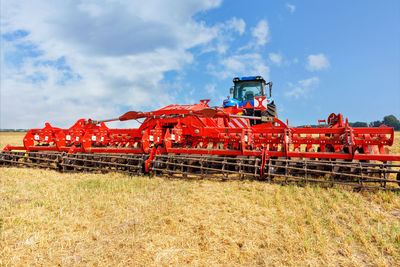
65	60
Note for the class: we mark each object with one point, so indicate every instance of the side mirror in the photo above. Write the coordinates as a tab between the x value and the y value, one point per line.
231	90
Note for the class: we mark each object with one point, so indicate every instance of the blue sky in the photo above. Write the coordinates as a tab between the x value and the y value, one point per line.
65	60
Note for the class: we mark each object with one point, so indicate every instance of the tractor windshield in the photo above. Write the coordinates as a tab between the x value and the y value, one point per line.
246	91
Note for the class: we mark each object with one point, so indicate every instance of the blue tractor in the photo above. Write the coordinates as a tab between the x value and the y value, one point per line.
249	93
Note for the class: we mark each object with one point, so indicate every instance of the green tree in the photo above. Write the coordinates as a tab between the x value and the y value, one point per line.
392	121
375	124
358	124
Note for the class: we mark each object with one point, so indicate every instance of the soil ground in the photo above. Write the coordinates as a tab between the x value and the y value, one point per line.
49	218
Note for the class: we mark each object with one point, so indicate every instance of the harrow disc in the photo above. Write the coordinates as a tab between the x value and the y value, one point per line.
102	162
206	166
355	174
50	160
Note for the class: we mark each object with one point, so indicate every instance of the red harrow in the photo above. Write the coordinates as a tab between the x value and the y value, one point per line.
197	141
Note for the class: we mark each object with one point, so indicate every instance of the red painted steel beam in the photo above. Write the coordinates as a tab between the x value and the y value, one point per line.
42	148
205	151
380	157
11	148
114	150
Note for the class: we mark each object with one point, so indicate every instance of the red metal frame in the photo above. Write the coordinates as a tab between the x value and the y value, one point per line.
199	129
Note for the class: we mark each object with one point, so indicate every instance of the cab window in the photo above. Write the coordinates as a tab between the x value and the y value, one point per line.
246	91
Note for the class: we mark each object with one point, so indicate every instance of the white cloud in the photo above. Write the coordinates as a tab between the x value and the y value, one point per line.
275	58
313	81
317	62
224	35
302	88
236	24
295	92
261	32
210	88
114	57
240	65
292	8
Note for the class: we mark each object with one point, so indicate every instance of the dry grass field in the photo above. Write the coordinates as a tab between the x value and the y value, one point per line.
48	218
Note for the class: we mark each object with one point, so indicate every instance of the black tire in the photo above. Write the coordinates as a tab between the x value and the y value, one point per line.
270	111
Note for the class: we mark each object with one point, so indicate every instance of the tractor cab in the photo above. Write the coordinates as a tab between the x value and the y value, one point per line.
250	94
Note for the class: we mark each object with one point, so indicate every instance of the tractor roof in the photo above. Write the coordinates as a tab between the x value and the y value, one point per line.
248	78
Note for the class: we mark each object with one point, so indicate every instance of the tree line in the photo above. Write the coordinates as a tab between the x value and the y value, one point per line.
389	120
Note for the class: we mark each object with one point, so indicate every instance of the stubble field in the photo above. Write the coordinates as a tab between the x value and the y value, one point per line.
49	218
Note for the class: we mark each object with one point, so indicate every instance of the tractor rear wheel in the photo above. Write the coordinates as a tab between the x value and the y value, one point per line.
270	111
